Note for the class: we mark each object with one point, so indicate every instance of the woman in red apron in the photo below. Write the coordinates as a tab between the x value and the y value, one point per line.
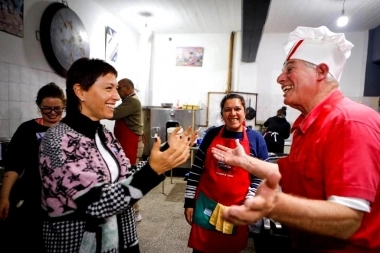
213	185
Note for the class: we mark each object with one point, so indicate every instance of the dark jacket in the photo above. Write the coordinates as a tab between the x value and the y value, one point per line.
278	129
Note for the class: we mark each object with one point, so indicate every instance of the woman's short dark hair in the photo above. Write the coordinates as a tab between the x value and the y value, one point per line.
50	90
84	72
231	96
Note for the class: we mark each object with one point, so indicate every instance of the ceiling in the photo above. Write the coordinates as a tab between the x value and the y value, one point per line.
221	16
178	16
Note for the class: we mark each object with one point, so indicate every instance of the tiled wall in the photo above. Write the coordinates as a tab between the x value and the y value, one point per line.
18	90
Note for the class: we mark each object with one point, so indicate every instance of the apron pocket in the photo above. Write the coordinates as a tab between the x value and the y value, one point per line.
204	208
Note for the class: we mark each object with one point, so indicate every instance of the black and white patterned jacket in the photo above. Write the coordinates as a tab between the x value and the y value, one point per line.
86	212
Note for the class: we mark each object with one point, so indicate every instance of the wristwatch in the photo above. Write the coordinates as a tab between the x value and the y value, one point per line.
63	37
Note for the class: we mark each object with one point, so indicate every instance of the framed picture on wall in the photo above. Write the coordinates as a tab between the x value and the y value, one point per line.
12	17
112	44
190	56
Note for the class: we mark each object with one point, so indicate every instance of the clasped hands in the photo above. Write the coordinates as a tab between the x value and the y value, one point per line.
253	209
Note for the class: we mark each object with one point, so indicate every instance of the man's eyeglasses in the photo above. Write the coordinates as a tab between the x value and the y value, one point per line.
47	110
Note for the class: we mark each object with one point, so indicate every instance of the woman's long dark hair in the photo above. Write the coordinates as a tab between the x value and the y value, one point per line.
84	72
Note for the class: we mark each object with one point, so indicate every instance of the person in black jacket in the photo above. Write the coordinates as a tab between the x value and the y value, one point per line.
20	195
278	129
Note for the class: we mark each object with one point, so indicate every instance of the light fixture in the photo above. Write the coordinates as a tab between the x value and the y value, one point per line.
146	27
343	19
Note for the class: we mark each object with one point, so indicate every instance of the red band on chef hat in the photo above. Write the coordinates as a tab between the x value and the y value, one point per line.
293	50
319	45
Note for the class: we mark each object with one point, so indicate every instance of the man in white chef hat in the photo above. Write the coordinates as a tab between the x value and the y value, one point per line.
330	195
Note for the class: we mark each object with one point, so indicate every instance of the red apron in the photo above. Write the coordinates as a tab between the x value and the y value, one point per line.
128	140
227	187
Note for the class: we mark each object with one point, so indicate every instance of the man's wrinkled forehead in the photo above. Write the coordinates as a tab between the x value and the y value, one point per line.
289	62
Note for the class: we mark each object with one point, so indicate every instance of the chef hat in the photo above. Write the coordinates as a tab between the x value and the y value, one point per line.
319	45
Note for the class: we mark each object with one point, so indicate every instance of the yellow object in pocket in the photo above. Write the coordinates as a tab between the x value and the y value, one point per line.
214	215
228	227
217	220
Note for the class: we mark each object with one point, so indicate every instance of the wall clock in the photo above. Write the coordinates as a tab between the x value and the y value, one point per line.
63	37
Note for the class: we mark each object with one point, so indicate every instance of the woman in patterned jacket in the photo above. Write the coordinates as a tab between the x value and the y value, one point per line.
88	187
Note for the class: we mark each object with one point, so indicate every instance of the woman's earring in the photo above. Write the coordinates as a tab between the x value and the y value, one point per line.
82	100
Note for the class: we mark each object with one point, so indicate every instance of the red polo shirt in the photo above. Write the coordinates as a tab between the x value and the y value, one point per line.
336	151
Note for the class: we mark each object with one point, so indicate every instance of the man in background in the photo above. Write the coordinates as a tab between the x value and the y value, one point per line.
128	126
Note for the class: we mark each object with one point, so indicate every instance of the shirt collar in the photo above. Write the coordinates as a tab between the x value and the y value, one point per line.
304	122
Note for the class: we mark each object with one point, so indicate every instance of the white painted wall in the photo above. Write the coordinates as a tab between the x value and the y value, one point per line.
171	83
188	84
24	69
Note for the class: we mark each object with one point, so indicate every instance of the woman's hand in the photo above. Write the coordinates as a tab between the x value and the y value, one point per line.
177	153
189	215
9	180
4	208
229	156
177	133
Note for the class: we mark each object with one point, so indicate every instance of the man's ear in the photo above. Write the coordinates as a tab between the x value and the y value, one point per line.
322	71
78	91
